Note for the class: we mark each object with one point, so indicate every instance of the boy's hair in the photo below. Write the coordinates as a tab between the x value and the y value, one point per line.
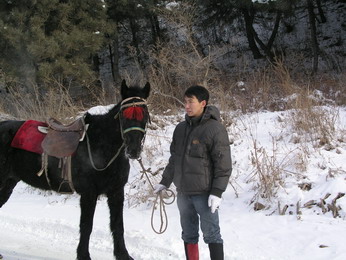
201	93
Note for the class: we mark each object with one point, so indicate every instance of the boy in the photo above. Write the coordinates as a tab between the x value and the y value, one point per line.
200	167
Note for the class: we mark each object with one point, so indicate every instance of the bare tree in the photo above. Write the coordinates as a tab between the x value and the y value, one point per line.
313	35
253	37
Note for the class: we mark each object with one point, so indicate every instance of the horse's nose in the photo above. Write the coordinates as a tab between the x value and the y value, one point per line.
133	153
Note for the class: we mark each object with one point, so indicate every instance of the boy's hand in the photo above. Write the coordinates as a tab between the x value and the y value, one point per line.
214	203
159	187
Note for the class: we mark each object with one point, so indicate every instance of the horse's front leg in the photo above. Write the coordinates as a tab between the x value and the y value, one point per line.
87	206
115	203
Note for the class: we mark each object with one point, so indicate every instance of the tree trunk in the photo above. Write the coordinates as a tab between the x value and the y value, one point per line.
109	82
135	41
275	30
155	25
313	35
114	53
248	18
155	28
320	11
267	47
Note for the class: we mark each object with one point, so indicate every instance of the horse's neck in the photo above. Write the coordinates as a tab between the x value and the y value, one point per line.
107	125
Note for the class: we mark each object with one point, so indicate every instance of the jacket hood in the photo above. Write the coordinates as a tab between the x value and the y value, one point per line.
210	112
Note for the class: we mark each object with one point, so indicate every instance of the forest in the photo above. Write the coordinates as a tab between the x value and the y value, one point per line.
255	52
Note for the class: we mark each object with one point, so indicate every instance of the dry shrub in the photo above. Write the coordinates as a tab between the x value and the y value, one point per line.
264	88
312	122
140	192
39	105
313	116
332	86
176	65
271	87
272	166
267	171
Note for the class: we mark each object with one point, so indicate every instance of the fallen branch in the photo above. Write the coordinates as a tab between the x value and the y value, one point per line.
283	210
333	207
298	212
310	203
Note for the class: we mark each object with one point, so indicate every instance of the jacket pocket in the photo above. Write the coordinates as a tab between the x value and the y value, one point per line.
197	150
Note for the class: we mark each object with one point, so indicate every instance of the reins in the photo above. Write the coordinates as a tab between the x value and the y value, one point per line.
161	198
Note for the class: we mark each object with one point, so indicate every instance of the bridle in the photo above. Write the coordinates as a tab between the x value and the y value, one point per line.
133	104
123	106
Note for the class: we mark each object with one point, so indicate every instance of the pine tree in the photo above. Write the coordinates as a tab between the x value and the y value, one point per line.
51	40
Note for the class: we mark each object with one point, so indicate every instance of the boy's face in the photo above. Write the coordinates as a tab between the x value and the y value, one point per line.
193	107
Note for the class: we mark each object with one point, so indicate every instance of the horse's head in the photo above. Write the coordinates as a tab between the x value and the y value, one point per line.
134	116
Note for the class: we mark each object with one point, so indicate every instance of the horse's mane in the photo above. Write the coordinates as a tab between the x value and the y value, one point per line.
100	110
101	113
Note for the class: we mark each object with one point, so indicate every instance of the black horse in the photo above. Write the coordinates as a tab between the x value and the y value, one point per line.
100	164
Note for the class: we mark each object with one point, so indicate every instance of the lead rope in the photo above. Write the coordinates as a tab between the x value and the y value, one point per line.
163	214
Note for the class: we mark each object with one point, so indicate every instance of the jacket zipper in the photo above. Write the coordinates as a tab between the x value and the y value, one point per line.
192	128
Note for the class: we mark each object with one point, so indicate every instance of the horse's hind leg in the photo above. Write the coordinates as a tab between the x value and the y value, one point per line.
6	189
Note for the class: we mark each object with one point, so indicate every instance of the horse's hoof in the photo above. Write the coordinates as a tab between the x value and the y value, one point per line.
128	257
83	257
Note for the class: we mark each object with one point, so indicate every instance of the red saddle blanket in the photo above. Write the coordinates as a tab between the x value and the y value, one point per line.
28	137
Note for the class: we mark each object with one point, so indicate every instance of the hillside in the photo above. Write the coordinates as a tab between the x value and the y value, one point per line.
36	225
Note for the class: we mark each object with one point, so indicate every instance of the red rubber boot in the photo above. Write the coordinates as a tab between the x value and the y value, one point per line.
191	251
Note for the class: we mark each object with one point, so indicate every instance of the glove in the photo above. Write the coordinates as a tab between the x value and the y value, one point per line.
159	187
214	203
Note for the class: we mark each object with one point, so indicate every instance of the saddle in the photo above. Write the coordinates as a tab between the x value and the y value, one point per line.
62	140
75	126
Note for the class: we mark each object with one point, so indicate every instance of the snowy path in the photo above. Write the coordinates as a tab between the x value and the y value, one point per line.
35	227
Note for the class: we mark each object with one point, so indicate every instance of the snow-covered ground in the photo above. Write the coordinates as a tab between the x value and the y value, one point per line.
36	225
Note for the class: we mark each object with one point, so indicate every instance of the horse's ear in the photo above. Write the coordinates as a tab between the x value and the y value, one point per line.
146	90
124	89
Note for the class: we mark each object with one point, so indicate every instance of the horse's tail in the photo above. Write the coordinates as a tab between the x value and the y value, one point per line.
8	130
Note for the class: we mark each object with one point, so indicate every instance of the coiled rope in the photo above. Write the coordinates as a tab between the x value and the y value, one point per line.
160	200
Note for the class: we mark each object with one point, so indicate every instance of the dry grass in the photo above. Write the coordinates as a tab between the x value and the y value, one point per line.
268	172
312	122
55	103
271	166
